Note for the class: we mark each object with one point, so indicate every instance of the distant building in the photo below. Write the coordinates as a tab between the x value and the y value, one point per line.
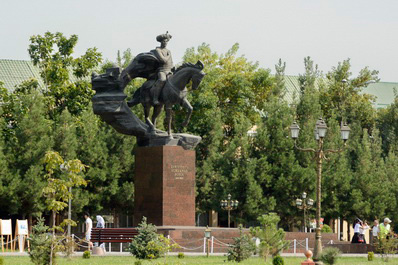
14	72
383	91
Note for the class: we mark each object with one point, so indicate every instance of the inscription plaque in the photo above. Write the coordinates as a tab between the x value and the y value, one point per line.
179	171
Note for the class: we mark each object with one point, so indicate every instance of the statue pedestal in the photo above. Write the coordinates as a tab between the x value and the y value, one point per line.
164	186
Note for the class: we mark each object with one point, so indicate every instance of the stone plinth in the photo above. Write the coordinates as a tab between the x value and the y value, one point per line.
164	186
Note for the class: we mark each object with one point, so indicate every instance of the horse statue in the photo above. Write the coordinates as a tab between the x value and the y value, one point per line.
174	92
165	86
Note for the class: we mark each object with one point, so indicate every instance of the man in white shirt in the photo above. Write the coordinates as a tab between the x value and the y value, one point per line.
89	226
375	231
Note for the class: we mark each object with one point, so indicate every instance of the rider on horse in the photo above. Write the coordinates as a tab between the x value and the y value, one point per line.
156	66
165	65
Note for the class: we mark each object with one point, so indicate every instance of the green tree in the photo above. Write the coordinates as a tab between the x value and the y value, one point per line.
65	137
148	244
372	189
388	127
60	176
285	179
242	175
391	184
65	77
29	139
40	244
341	101
8	187
341	94
111	163
272	239
242	248
337	176
225	108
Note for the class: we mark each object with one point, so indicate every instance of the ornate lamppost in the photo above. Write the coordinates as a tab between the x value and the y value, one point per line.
320	154
207	236
304	205
229	205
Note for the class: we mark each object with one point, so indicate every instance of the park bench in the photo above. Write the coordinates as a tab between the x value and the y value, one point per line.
113	235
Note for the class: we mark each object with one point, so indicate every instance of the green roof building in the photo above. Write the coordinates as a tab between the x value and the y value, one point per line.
384	92
14	72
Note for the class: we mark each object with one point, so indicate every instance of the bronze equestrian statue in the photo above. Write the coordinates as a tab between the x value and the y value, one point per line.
165	86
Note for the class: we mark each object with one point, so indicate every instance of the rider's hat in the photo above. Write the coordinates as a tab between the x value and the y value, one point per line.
163	37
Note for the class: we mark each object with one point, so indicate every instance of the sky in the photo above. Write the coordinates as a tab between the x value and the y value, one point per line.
329	31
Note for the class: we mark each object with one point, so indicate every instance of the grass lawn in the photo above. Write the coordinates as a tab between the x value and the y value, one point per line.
111	260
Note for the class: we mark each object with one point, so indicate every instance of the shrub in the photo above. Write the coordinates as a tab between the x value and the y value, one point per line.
181	255
330	255
386	247
86	254
272	239
40	244
371	256
242	248
148	244
68	246
278	260
326	229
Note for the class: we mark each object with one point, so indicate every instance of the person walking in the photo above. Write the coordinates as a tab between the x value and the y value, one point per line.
100	224
89	226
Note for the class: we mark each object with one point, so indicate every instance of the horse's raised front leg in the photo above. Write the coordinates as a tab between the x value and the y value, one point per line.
168	120
156	111
188	107
147	110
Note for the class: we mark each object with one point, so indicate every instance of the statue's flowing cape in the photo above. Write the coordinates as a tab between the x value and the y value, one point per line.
110	104
143	65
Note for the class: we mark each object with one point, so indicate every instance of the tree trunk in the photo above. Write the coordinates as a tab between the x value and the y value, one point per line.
341	228
30	223
348	231
331	224
115	219
53	238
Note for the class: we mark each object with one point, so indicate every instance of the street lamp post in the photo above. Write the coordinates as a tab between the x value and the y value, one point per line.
320	154
229	205
304	205
207	236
